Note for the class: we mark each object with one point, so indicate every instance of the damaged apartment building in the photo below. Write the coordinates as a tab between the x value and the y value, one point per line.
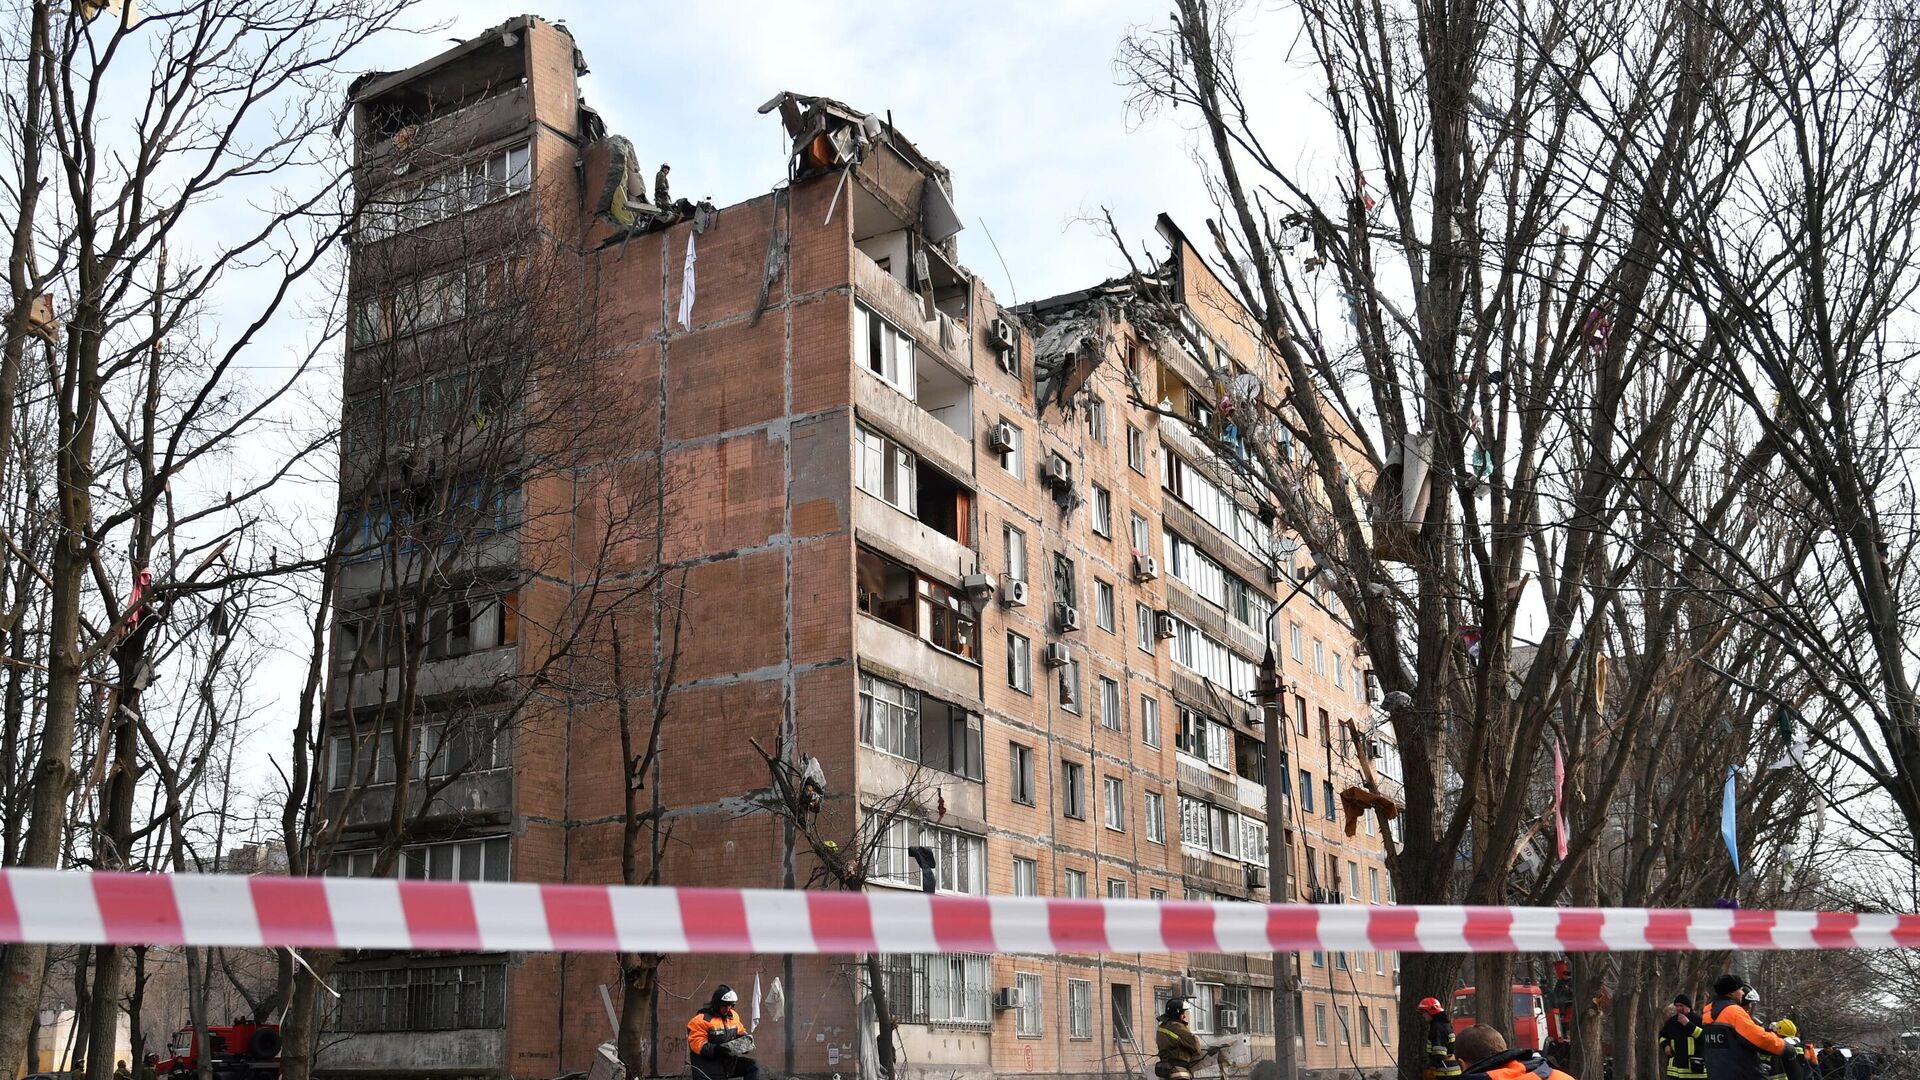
926	541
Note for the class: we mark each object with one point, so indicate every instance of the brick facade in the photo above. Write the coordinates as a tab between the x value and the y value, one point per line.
754	413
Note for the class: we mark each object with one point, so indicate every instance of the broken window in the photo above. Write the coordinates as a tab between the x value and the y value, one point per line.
886	590
950	620
950	739
1064	590
1097	420
942	504
1102	511
884	349
885	469
451	747
493	176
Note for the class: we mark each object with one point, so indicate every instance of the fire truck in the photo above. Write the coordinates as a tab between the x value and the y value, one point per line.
1529	1014
242	1050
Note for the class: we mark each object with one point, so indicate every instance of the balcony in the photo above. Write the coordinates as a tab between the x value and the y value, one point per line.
911	419
473	673
387	1053
474	798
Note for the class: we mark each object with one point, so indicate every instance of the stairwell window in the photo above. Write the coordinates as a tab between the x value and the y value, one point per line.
884	349
1103	614
885	470
1102	511
1076	884
1115	796
1155	810
1320	1025
1150	720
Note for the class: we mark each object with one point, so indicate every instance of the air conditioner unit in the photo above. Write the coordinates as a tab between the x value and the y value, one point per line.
1066	617
1163	625
1056	655
1013	591
1000	437
1145	568
1007	997
977	587
1059	471
1276	574
1000	335
1256	877
1229	1019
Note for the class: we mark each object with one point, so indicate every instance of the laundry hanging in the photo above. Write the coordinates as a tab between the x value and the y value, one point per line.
686	286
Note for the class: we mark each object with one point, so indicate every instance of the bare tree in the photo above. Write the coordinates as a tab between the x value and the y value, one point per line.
132	128
1500	394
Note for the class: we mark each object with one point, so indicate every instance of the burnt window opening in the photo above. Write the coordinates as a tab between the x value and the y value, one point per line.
930	610
945	506
886	590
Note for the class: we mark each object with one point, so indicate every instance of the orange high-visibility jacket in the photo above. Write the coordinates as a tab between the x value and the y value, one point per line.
708	1027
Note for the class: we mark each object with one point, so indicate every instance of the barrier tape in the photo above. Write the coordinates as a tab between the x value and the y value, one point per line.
70	907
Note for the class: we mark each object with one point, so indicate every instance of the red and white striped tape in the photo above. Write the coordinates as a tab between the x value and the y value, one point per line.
193	909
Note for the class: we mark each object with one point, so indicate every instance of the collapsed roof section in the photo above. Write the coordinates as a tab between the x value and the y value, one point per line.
829	135
1077	330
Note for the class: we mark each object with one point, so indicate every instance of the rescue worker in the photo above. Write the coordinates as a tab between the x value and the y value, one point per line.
1736	1047
1680	1040
1793	1063
1487	1049
1442	1062
717	1040
1179	1049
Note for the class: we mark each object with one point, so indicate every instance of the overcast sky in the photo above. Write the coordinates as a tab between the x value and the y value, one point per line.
1020	100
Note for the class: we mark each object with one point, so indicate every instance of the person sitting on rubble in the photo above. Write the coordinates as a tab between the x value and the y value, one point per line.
718	1042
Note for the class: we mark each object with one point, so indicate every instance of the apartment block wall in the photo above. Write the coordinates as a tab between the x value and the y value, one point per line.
749	411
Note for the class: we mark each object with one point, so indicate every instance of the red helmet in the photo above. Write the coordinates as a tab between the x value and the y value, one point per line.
1431	1006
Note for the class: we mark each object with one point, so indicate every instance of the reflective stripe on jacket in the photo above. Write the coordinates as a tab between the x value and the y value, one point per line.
1680	1037
1177	1044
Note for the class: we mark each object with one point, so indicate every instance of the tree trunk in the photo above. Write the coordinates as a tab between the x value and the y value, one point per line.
300	1028
103	1026
884	1039
198	987
137	1042
637	984
1422	975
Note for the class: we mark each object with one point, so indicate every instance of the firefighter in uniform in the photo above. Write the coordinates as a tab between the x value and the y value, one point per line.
1736	1047
717	1040
1487	1050
1442	1062
1796	1062
1179	1049
1680	1039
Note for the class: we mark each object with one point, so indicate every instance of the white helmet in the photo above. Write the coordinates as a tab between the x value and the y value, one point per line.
729	996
